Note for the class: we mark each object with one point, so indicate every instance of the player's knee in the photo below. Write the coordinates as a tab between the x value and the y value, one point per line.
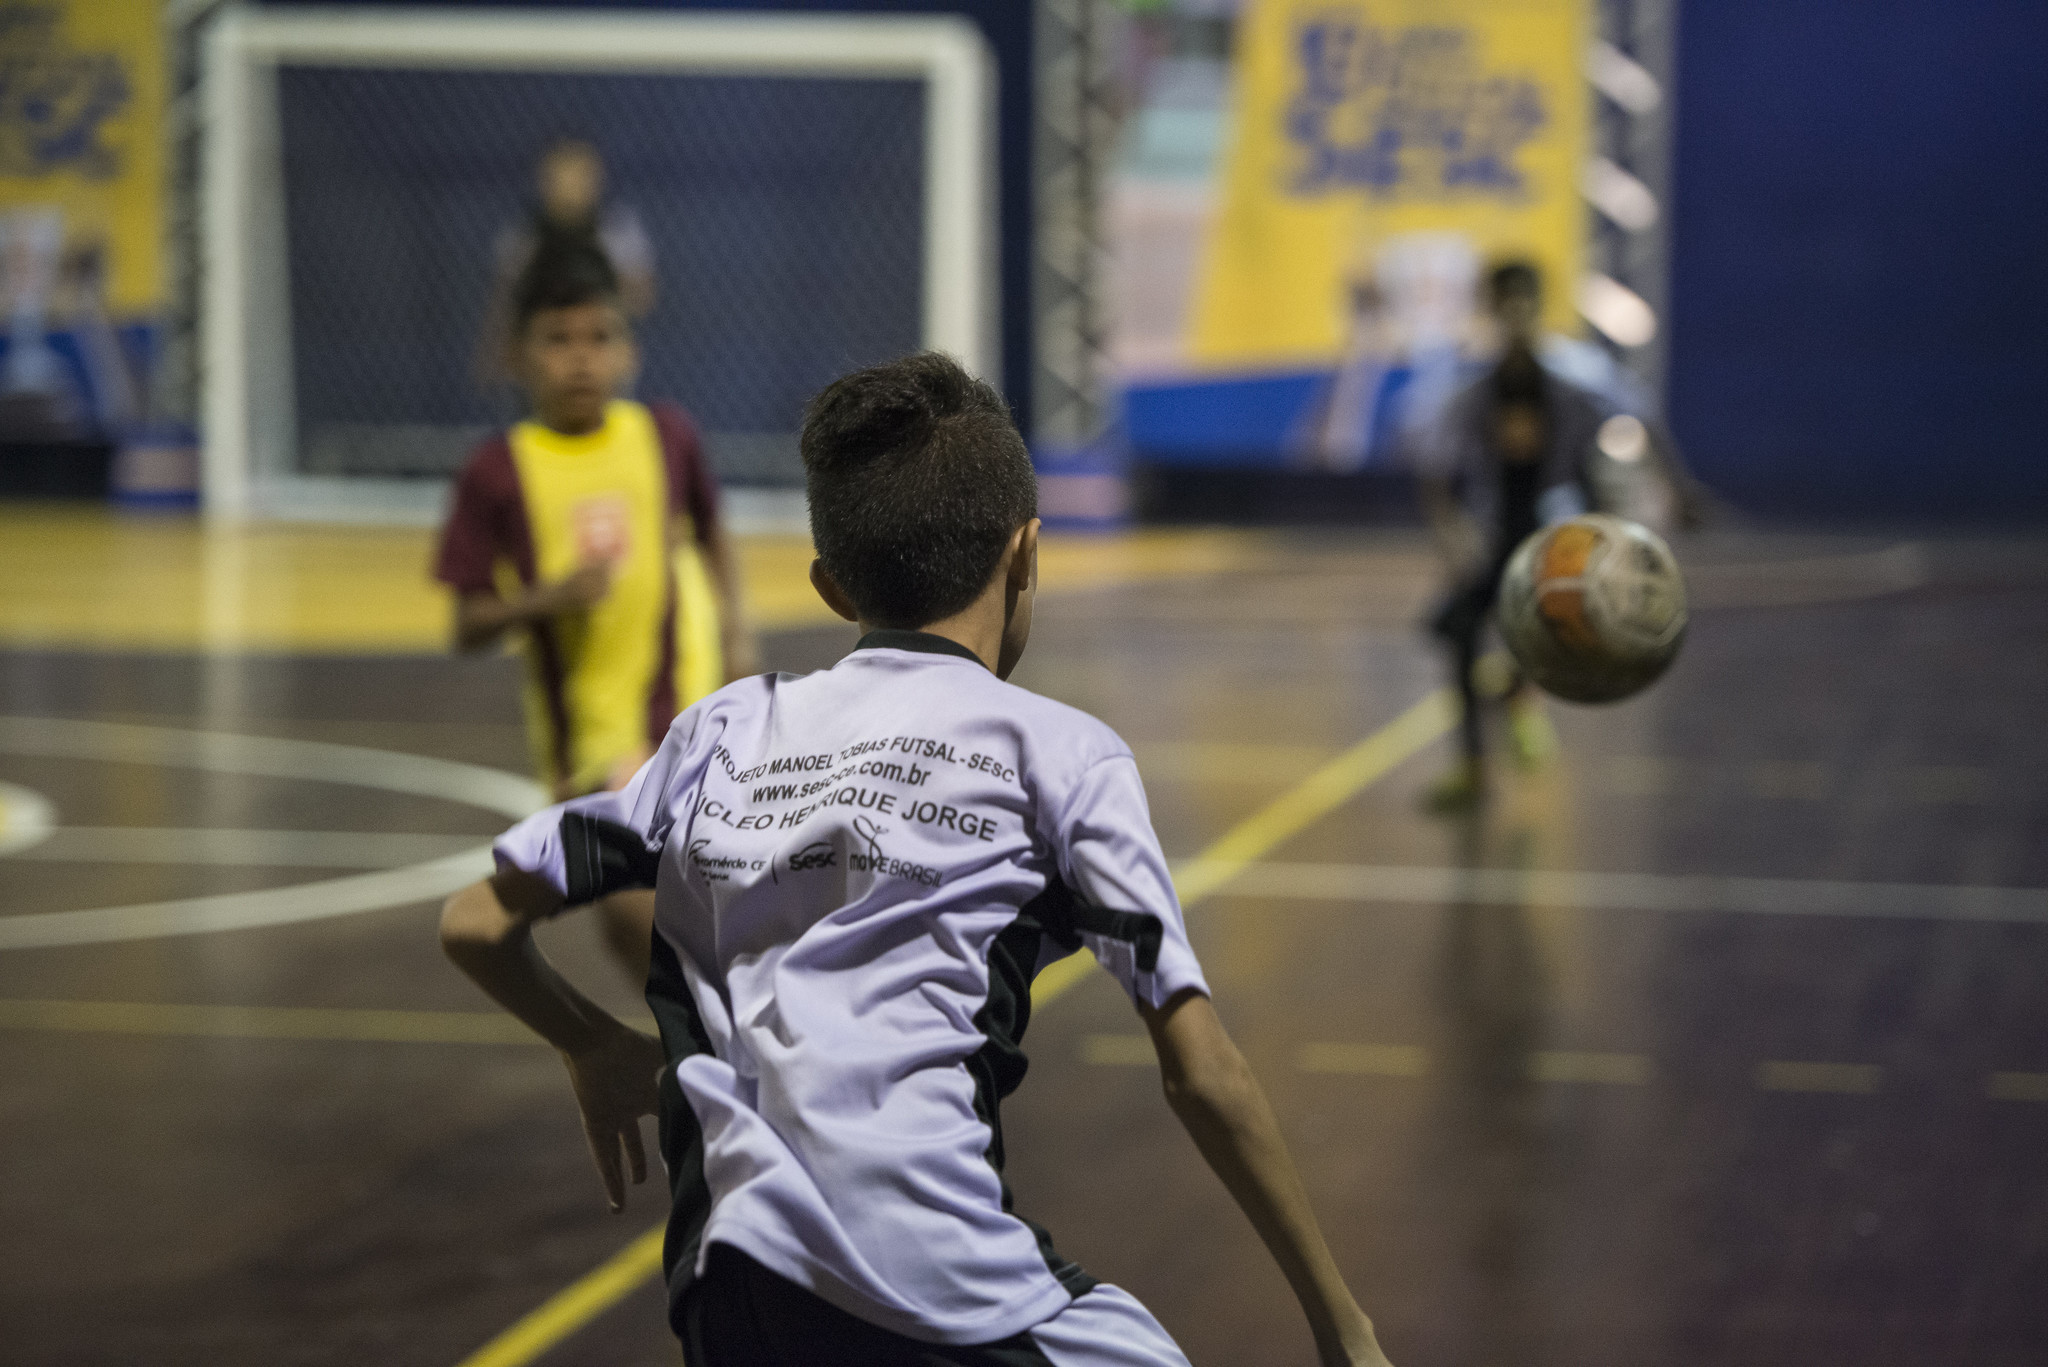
471	920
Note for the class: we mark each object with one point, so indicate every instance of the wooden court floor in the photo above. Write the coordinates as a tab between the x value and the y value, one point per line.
1722	1040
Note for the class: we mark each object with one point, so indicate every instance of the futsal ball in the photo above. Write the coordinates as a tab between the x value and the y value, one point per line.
1593	608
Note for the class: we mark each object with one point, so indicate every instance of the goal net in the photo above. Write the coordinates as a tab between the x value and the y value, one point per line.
803	194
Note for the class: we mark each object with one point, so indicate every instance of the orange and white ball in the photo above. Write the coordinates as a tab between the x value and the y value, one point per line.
1593	608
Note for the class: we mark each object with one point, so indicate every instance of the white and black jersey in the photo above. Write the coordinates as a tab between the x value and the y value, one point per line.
859	872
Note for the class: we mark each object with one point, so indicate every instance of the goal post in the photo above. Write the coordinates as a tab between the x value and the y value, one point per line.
252	457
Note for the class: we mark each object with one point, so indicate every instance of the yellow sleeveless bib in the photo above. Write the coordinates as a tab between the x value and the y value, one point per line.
604	496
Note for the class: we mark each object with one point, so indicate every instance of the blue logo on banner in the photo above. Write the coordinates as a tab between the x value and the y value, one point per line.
1408	114
55	102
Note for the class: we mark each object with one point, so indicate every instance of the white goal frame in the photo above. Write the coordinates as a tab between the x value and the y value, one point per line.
248	465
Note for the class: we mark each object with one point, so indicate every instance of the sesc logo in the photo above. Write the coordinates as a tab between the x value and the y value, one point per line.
819	854
56	102
1407	113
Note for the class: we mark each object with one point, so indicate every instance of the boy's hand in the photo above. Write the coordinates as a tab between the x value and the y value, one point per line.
583	588
481	618
615	1084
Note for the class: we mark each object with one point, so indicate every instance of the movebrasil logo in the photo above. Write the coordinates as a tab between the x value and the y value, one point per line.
54	101
1406	113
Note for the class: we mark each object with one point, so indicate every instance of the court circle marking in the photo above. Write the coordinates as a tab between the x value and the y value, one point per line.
473	785
26	818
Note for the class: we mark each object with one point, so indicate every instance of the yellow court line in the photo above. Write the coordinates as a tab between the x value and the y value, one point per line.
1372	1060
2017	1086
1286	816
564	1313
1851	1079
1316	796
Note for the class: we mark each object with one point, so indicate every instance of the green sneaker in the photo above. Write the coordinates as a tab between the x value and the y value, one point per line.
1531	738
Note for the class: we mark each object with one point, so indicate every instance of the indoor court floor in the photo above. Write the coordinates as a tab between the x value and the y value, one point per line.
1722	1040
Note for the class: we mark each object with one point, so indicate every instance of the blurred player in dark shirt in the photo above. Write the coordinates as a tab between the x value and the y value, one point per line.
570	211
1511	452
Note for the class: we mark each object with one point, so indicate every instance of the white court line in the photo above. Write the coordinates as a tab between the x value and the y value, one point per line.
494	790
1641	892
220	845
246	910
26	818
473	785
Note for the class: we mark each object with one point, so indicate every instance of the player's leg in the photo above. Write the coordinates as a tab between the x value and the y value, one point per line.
1532	740
1465	674
1460	625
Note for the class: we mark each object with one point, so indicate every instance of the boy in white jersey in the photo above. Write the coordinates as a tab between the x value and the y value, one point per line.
858	873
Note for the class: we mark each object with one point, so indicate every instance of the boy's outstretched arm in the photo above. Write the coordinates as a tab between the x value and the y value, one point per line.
1212	1091
481	618
487	929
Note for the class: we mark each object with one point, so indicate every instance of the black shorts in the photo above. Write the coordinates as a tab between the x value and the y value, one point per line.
1460	617
739	1314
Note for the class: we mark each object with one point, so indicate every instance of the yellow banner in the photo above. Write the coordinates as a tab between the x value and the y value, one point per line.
1360	123
81	106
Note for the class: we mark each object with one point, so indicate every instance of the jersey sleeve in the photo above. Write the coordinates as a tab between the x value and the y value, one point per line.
475	536
693	489
1125	909
603	843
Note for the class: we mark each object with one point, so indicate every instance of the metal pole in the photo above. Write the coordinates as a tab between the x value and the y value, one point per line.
1630	67
1073	141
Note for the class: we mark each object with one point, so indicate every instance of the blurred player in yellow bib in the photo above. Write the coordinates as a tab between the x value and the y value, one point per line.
593	526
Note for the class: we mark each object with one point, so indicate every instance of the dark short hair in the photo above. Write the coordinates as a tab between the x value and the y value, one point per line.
1513	277
917	478
567	270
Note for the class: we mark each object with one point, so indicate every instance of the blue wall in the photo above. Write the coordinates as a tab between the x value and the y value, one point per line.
1860	273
